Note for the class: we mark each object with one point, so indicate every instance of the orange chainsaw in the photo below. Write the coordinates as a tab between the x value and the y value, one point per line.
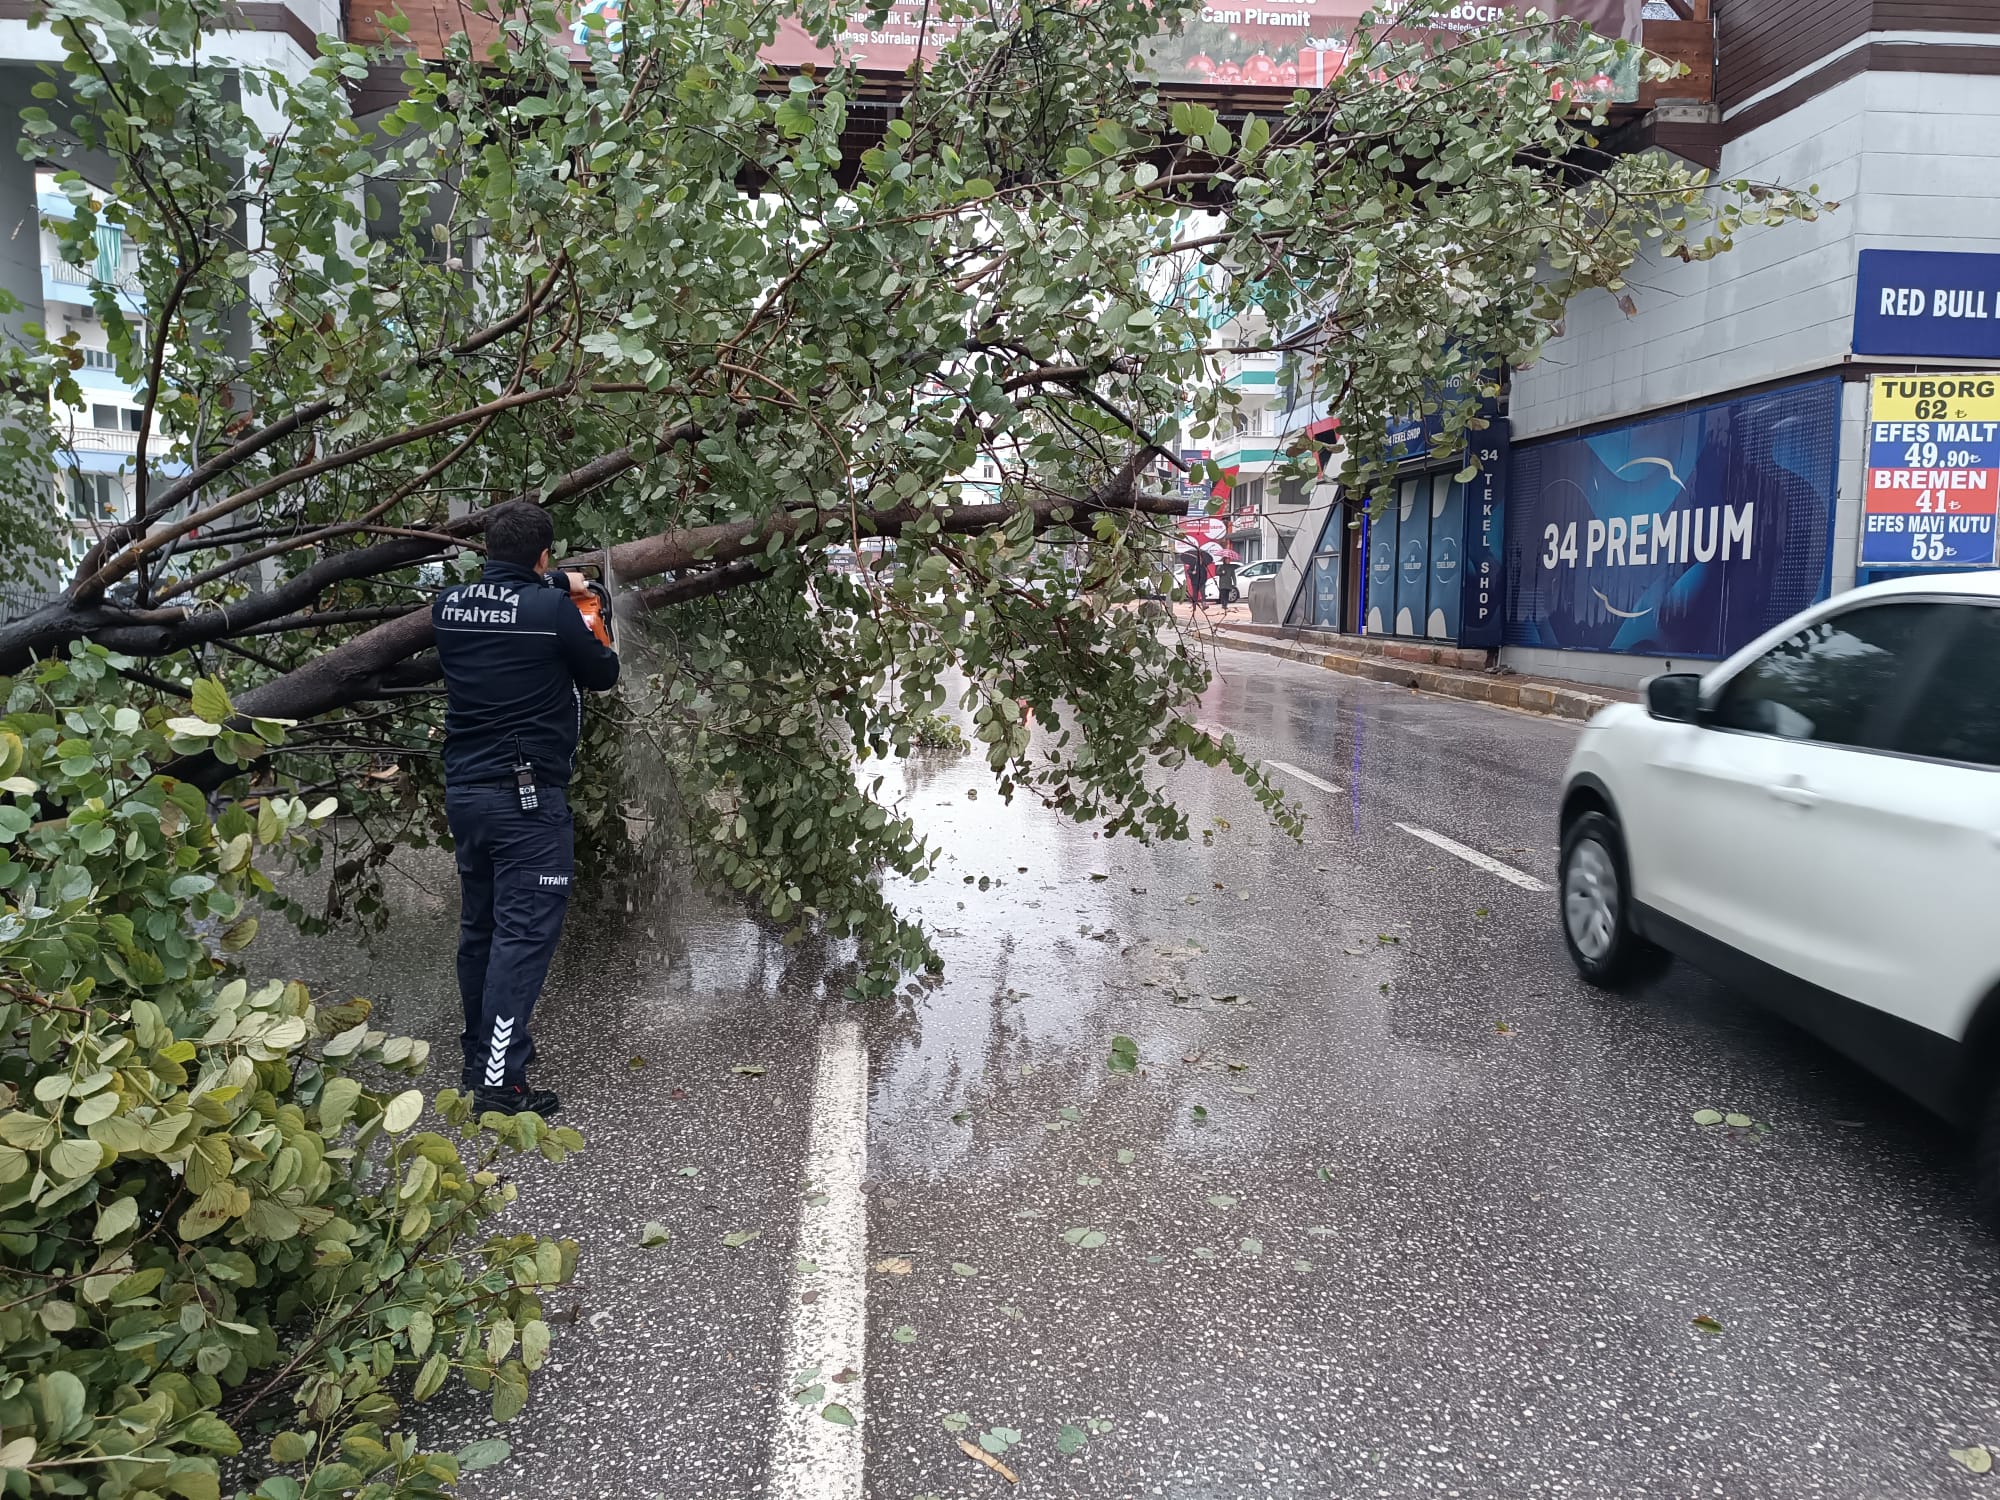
595	607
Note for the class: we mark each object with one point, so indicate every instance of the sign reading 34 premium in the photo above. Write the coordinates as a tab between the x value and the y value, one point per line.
1933	488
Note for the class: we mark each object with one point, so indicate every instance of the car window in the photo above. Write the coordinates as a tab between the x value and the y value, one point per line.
1955	714
1836	681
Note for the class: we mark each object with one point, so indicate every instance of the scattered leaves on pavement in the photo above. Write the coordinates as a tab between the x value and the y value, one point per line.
837	1414
1200	1112
635	1063
903	1333
1703	1323
956	1421
998	1440
1071	1439
1222	1200
1203	1252
963	1269
961	1117
1127	1157
1250	1247
687	1171
1302	1265
1708	1117
1083	1237
1087	1180
654	1235
1124	1056
1012	1313
736	1239
749	1070
1741	1122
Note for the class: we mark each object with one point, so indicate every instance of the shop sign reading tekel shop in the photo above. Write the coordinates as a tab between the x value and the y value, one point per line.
1933	489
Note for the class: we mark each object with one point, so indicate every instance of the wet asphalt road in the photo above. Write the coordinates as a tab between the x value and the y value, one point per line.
1441	1228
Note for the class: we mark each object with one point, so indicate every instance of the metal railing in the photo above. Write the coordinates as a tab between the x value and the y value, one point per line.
103	440
64	274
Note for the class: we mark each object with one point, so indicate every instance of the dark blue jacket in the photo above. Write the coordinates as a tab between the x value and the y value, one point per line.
515	652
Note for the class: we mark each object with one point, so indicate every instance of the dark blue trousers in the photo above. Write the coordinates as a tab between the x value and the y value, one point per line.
514	871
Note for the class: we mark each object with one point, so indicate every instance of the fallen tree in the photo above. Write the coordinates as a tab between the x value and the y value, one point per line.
541	275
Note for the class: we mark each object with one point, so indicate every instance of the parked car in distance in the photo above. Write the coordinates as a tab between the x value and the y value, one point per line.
1817	820
1250	572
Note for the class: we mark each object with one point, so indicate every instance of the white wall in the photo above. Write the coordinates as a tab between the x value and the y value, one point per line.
1912	158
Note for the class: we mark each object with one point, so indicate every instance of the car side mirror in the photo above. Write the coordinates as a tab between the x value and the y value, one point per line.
1675	697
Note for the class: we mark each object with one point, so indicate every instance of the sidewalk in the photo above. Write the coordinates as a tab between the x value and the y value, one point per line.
1448	671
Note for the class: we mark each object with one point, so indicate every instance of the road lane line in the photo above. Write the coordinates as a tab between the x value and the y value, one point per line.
1306	776
812	1458
1485	862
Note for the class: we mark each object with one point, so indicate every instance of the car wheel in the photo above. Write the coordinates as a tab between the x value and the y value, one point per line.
1596	895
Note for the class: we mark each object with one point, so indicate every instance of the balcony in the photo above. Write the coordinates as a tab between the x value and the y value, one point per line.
103	440
63	282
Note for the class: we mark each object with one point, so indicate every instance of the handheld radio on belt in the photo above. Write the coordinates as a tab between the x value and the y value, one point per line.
524	780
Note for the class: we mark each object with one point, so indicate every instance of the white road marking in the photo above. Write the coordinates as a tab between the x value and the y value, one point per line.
1485	862
1306	776
812	1458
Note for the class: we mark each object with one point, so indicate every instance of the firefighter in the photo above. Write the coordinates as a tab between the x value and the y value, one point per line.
517	658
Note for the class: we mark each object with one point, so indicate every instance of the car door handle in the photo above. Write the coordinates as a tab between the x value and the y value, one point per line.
1793	789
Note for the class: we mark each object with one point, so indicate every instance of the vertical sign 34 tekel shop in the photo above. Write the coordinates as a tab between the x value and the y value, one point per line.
1933	490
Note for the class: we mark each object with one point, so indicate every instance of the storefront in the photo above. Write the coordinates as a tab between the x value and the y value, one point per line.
1680	536
1433	551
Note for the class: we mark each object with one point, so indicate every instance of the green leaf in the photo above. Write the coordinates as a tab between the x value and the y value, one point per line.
210	1432
1705	1324
1708	1117
837	1414
401	1112
1976	1458
903	1333
336	1103
431	1378
1741	1122
211	701
736	1239
74	1158
654	1235
1071	1439
114	1218
292	1447
483	1454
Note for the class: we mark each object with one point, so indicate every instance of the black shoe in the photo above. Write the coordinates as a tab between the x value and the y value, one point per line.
518	1100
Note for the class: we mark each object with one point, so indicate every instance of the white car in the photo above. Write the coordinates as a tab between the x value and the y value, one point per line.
1817	820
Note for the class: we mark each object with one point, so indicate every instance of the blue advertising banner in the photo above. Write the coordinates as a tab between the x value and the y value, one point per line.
1683	536
1928	303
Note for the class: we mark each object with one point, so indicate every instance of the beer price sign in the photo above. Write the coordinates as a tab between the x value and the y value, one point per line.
1933	488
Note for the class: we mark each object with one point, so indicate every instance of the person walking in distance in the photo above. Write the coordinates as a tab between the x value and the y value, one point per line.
517	656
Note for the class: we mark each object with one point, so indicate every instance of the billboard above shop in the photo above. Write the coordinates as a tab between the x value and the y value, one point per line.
1225	46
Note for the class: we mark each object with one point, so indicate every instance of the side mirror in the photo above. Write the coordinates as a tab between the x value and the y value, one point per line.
1675	696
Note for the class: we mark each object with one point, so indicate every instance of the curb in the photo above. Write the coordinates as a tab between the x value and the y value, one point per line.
1526	694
